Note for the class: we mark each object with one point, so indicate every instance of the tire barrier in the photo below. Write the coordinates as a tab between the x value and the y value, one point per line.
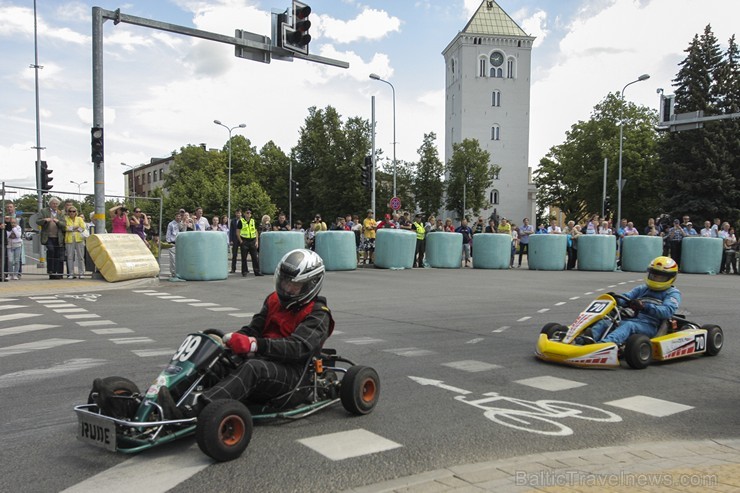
547	252
337	249
491	251
444	250
639	251
701	255
202	256
597	252
122	257
274	245
394	249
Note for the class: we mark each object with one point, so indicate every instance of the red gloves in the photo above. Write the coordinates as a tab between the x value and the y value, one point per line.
241	344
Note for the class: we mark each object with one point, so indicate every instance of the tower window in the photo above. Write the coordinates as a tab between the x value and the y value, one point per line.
497	72
495	132
510	69
482	67
493	197
496	98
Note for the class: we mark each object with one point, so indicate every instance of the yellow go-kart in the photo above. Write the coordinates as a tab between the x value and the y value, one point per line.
676	338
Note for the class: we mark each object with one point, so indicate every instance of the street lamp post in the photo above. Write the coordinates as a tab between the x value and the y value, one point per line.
377	77
621	133
241	125
79	186
133	180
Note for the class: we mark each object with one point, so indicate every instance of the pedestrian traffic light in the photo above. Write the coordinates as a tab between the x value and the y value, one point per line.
366	175
295	189
46	178
97	144
294	35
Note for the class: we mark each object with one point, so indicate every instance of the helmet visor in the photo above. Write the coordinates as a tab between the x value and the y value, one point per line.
660	276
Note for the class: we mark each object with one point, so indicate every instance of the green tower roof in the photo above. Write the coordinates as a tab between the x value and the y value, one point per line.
491	19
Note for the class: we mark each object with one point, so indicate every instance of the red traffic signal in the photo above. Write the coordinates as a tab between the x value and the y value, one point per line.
295	36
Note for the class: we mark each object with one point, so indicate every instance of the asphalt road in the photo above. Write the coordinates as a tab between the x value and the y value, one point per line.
459	333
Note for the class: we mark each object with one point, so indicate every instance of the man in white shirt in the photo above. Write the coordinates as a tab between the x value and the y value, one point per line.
201	223
553	228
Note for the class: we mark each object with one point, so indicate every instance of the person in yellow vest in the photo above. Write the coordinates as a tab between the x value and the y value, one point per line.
249	243
421	232
74	244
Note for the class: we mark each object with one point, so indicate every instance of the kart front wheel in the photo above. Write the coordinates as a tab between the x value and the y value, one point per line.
224	430
551	328
360	390
715	339
638	351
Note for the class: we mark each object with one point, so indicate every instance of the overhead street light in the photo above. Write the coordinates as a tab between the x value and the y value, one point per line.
377	77
621	133
79	186
133	180
241	125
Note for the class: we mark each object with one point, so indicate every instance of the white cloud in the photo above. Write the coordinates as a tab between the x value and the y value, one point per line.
370	24
534	25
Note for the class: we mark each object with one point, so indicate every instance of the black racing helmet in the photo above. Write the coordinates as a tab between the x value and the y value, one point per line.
298	278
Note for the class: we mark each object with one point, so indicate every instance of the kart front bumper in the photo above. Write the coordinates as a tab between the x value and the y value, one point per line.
601	355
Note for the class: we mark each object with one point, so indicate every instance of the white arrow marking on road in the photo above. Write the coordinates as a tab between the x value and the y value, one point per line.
35	346
440	384
28	376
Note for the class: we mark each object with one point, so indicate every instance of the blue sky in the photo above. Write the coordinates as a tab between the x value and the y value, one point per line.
163	91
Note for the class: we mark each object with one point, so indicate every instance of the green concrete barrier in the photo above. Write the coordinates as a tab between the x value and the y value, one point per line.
491	251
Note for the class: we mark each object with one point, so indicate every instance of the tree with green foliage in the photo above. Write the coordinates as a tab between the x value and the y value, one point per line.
571	175
428	184
469	174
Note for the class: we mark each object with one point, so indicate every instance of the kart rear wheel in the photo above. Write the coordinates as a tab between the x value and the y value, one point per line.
224	429
638	351
360	390
104	394
715	339
551	328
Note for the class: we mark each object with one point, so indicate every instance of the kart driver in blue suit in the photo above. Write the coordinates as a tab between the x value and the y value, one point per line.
653	302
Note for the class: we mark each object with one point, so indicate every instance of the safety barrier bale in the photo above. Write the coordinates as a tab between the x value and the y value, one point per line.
121	257
547	252
444	250
700	255
338	250
202	255
597	252
639	251
491	251
274	245
394	249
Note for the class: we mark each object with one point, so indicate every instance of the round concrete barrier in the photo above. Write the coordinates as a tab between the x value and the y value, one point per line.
202	256
701	255
444	250
597	252
337	248
394	249
547	252
491	251
274	245
639	251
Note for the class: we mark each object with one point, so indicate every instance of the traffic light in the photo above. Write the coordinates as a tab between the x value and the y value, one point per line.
295	189
46	178
667	108
294	35
366	175
96	143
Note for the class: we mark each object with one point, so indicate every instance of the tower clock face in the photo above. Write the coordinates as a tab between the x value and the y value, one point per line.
497	59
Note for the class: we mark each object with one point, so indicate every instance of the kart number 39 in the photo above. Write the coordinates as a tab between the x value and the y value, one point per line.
187	348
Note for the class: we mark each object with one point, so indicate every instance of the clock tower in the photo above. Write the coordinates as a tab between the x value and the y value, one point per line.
487	93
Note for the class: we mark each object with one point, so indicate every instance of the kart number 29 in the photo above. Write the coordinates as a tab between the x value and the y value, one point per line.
187	348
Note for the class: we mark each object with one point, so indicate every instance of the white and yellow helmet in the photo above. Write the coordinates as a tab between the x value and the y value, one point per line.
661	273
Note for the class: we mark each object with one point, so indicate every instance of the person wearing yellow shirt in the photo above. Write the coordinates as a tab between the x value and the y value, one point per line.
74	244
504	226
369	226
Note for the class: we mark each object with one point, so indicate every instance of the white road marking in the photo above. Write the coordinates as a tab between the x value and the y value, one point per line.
21	329
475	341
54	301
246	315
600	289
117	330
501	329
46	297
93	323
144	291
408	351
346	444
170	297
550	383
471	366
649	405
5	300
574	298
147	353
523	319
12	307
69	310
28	376
156	471
622	283
560	303
35	346
17	316
612	286
156	293
543	310
203	305
590	292
186	300
223	309
440	384
130	340
363	340
80	316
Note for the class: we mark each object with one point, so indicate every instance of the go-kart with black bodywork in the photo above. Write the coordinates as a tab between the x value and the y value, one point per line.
120	418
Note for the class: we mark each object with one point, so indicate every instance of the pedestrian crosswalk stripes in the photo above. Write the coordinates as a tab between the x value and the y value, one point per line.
12	307
17	316
35	346
21	329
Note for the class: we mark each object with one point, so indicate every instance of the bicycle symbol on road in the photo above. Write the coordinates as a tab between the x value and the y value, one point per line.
531	416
